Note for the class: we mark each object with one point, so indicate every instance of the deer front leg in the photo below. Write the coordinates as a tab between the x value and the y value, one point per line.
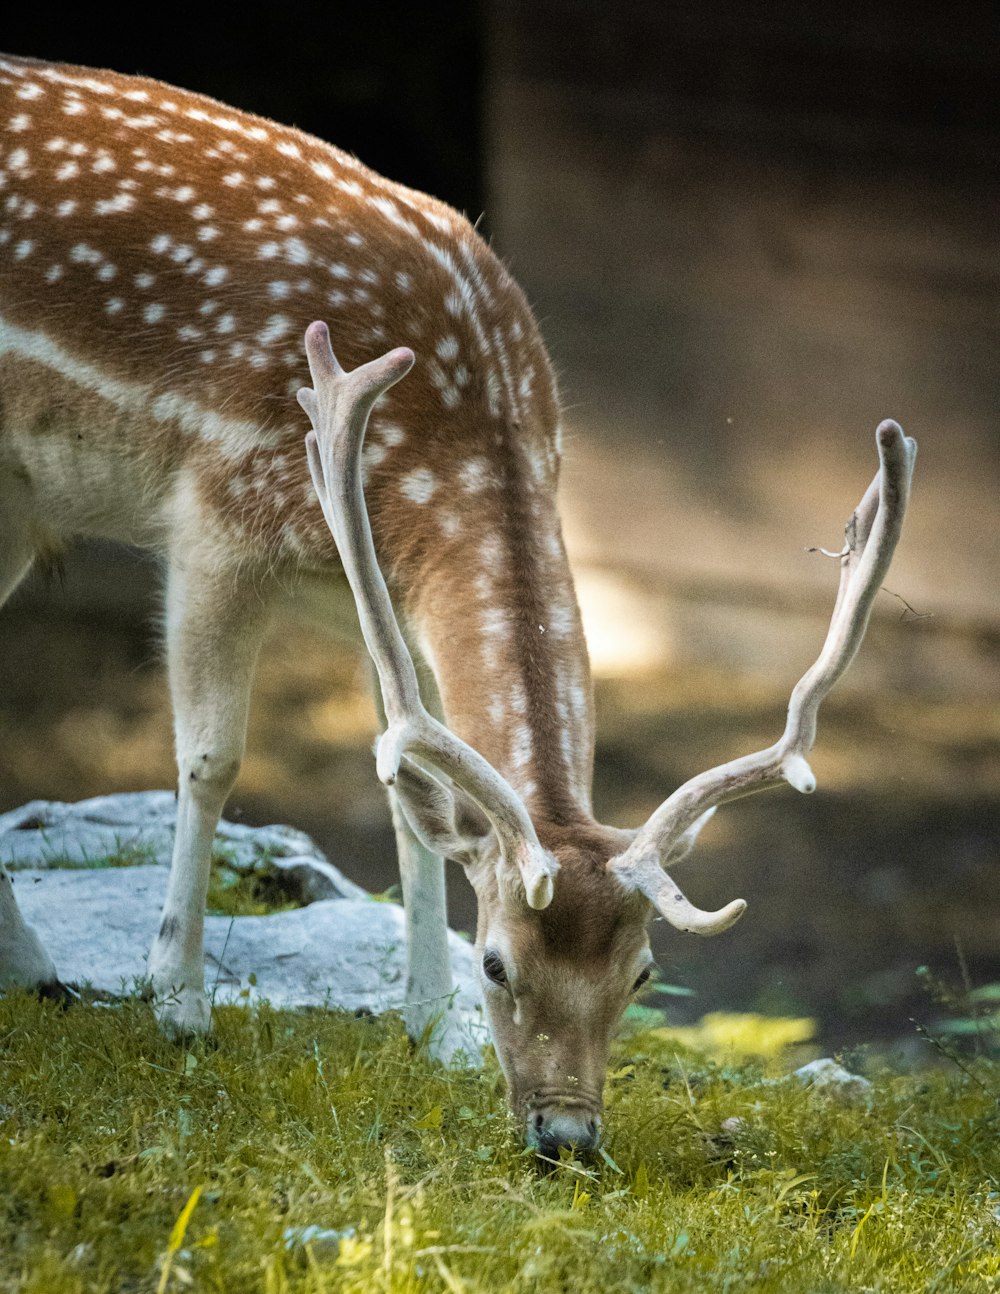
215	622
24	963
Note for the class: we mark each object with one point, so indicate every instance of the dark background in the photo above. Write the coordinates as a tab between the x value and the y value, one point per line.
751	232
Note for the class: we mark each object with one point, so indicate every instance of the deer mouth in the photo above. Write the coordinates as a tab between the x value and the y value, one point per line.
556	1121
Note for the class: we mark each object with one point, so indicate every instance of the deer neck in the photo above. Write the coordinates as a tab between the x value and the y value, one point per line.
499	626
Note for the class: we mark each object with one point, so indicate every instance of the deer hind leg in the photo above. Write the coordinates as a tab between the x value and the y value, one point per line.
214	625
24	963
430	1009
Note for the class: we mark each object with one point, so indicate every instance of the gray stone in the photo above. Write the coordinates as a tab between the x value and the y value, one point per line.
140	827
833	1080
344	950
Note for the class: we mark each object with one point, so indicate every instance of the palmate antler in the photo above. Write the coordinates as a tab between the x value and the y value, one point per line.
870	536
338	405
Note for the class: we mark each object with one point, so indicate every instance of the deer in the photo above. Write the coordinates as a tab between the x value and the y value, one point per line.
163	257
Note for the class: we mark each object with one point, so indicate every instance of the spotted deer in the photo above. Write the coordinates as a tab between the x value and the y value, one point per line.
163	256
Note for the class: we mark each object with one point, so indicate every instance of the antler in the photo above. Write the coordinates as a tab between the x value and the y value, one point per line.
870	539
338	405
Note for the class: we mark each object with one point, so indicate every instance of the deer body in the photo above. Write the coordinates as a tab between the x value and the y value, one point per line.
161	258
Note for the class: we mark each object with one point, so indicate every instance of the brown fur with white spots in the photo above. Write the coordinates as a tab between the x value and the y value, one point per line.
161	257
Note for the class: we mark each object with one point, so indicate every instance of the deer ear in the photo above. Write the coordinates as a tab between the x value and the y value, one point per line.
443	817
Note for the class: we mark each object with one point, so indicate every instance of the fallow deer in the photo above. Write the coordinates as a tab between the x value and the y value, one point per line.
162	256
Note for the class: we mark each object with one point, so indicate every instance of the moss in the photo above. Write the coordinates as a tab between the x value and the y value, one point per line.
411	1178
240	890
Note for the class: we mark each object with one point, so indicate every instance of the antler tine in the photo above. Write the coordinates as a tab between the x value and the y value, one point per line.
870	540
339	404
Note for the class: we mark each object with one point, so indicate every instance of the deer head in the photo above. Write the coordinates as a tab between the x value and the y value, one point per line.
563	907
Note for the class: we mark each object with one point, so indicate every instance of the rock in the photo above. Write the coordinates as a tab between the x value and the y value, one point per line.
832	1079
139	827
324	1241
343	950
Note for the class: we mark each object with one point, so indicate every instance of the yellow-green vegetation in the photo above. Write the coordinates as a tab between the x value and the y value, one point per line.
246	891
313	1151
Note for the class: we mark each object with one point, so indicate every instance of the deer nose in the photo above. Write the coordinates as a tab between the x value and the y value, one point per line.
550	1130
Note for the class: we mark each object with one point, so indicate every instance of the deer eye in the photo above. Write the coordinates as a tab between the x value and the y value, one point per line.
643	977
493	967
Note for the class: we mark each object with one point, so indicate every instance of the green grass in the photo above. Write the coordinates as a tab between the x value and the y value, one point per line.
128	1164
247	891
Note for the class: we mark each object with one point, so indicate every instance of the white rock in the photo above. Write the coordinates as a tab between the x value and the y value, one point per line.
827	1076
49	833
344	950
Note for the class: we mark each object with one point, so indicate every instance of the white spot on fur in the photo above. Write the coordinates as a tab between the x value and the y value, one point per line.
372	454
115	305
24	248
216	275
54	273
67	171
521	746
495	623
475	475
419	485
493	394
83	254
226	324
276	327
296	252
392	436
562	621
154	312
110	206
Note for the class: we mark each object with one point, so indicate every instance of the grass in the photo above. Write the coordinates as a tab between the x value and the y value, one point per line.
314	1151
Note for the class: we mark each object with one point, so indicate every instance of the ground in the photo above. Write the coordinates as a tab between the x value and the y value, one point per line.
315	1151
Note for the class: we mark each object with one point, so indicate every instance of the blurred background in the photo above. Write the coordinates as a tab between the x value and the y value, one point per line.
750	232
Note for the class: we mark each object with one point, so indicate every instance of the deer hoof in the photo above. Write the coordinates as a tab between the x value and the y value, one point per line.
184	1014
451	1041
